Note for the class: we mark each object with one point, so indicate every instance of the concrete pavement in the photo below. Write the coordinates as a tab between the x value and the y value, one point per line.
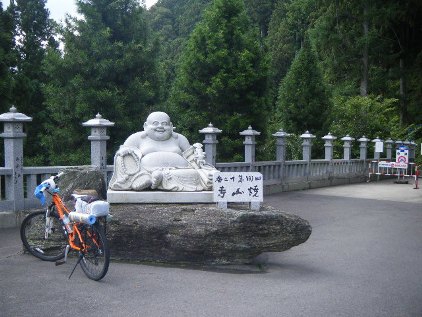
363	259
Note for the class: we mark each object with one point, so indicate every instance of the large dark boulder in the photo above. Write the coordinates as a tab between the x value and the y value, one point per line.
200	234
82	178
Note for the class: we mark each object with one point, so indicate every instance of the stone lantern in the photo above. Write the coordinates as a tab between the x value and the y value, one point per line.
281	145
210	143
13	136
389	148
250	144
347	147
376	154
363	147
98	140
329	146
307	145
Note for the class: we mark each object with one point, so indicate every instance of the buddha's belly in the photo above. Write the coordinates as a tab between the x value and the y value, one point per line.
163	159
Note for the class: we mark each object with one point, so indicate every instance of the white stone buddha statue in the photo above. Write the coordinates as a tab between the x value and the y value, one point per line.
158	158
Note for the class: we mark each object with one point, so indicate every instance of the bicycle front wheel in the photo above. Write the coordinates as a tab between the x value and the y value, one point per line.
96	254
43	237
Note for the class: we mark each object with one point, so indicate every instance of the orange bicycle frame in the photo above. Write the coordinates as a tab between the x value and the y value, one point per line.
62	211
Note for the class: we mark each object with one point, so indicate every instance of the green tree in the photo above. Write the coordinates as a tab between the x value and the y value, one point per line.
290	20
108	66
345	37
372	48
222	77
173	22
34	34
7	60
405	28
303	102
260	12
365	115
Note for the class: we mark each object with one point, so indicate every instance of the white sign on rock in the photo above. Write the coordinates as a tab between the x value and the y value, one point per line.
238	187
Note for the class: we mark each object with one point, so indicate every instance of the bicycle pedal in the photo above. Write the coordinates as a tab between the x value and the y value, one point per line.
60	262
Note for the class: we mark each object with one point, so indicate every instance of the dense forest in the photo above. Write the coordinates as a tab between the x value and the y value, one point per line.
345	67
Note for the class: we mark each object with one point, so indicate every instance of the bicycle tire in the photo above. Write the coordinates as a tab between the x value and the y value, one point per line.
96	255
33	235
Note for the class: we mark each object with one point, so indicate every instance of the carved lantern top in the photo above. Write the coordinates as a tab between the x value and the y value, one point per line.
14	116
347	138
363	139
98	122
250	132
307	135
210	129
281	134
329	137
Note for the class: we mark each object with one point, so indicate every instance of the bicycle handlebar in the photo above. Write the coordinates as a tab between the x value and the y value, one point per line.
57	176
47	185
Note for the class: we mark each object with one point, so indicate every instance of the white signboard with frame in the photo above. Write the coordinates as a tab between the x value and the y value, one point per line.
238	187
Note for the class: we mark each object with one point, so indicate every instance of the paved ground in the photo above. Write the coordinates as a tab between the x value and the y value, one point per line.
363	259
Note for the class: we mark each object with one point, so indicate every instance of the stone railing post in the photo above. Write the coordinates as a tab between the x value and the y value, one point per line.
329	146
363	147
280	154
210	143
13	155
250	144
281	136
307	146
307	150
389	148
377	155
347	147
98	140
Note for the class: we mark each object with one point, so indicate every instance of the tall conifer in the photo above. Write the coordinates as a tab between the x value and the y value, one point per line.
303	102
222	77
34	34
107	66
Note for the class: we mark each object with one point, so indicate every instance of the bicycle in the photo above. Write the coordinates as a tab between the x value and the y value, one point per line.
50	235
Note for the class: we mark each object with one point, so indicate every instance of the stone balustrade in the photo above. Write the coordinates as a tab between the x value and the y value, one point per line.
18	182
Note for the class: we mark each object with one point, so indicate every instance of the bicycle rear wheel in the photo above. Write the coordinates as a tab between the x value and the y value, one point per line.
96	254
43	238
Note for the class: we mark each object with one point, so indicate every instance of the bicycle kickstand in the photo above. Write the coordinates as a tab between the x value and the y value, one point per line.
74	268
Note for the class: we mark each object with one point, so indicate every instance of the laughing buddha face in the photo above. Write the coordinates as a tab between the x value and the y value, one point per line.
158	126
